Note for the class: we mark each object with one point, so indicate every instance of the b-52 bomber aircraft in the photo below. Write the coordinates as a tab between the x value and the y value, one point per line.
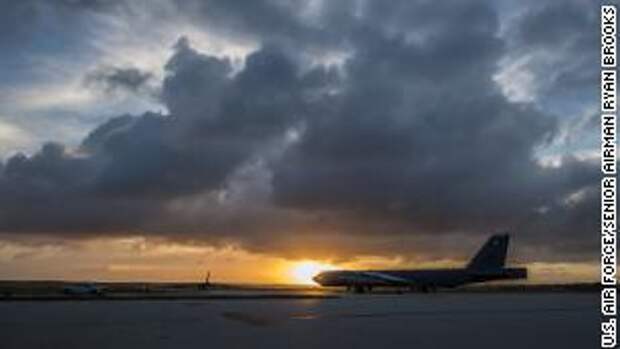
487	265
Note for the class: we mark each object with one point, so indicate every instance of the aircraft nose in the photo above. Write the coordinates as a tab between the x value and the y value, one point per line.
318	278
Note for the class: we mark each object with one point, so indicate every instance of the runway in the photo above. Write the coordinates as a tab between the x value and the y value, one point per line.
442	320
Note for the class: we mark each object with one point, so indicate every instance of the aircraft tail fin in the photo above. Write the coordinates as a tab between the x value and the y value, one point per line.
492	255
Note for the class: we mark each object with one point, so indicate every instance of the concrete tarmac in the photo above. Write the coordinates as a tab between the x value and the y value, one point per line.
442	320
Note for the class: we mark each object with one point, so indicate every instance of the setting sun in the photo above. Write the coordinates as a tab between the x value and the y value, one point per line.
303	272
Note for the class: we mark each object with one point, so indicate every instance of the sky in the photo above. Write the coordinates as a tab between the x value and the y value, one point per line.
154	140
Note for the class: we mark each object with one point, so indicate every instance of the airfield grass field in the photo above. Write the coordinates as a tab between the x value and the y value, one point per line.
179	316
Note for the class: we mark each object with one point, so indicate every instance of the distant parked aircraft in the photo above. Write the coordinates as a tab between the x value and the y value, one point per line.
487	265
82	289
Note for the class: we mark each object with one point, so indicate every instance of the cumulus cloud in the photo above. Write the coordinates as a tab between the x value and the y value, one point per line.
141	161
408	137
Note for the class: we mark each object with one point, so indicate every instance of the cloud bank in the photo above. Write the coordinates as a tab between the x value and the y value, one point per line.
354	127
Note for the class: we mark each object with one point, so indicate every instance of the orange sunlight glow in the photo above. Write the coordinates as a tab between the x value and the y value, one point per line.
303	272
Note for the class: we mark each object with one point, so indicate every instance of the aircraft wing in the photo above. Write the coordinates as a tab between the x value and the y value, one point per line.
386	278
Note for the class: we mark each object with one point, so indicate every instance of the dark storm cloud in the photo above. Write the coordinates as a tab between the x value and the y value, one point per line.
410	137
421	133
129	167
52	192
559	39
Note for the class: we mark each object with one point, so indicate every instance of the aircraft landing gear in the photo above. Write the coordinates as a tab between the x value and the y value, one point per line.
361	289
423	288
429	289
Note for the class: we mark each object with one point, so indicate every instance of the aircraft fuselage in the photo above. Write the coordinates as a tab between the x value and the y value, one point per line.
415	278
